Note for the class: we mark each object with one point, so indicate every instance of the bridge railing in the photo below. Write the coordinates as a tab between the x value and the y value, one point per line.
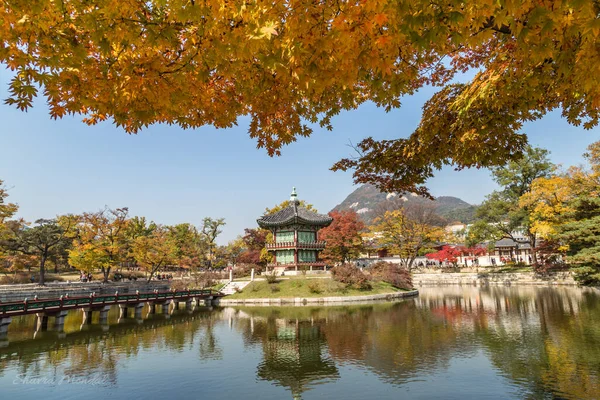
65	302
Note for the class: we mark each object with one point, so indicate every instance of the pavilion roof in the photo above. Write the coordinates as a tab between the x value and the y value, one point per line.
294	214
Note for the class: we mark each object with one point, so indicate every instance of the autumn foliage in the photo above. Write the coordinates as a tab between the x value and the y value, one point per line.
289	64
350	275
343	237
451	254
393	274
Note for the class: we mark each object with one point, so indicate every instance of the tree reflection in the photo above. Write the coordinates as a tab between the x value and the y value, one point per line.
545	340
90	351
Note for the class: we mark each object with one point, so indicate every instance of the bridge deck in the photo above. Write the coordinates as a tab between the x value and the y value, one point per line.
64	303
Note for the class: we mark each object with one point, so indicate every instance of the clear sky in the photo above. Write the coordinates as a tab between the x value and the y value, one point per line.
172	175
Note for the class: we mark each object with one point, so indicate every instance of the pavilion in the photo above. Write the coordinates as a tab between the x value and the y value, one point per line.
295	237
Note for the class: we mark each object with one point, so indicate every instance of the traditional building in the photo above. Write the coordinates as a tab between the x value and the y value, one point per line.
508	250
295	237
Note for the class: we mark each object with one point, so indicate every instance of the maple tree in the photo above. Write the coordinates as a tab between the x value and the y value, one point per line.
452	254
289	64
447	254
155	250
101	240
255	240
343	237
191	248
404	232
548	200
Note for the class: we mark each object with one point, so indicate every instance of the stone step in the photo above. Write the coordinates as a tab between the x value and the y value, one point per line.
231	287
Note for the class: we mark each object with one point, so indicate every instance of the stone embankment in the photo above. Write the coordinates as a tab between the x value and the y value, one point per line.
316	300
500	278
54	290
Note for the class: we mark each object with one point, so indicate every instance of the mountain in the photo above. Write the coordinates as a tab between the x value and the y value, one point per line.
367	199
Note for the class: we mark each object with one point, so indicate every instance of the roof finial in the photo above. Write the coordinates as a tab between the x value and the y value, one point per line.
294	196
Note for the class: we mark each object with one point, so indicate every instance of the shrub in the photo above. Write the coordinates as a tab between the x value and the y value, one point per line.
314	286
271	277
274	288
351	276
393	274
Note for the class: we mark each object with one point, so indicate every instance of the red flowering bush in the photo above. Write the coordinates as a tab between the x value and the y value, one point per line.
351	276
393	274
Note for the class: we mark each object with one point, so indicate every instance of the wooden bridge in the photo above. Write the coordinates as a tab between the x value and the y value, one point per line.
59	307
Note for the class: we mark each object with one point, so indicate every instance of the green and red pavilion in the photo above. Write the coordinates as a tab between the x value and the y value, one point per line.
295	237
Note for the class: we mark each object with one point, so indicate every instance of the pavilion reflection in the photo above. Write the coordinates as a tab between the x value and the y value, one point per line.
295	354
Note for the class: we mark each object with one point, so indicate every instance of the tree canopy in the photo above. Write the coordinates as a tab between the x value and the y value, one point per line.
291	64
344	237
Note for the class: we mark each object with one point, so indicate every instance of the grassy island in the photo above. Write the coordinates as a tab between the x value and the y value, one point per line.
308	287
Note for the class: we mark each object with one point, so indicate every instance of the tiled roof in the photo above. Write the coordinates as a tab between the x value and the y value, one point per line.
294	214
506	242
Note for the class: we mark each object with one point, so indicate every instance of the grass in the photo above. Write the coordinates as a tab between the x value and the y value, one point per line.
302	287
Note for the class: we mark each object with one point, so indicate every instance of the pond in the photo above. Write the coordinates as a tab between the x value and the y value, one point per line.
451	342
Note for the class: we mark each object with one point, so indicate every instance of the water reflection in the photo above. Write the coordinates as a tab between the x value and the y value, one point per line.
499	342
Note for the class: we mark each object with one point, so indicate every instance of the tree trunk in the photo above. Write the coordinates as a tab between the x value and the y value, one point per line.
410	263
152	272
42	269
105	272
532	242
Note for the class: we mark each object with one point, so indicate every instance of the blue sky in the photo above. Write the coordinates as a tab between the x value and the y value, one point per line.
170	175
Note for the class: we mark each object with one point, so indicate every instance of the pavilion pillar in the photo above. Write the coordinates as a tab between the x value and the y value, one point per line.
4	323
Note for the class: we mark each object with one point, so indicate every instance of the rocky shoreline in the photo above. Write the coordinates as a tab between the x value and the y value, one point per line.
493	278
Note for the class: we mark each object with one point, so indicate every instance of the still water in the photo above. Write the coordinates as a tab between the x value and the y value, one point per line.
449	343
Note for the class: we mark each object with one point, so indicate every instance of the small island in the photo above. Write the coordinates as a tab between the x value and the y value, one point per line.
296	273
287	290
